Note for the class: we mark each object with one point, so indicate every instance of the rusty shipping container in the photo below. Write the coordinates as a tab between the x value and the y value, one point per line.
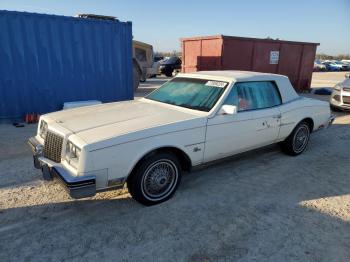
293	59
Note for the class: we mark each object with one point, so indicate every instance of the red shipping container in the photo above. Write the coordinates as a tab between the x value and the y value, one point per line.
293	59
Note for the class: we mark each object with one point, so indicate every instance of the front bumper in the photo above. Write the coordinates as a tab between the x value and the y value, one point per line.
340	99
76	186
331	120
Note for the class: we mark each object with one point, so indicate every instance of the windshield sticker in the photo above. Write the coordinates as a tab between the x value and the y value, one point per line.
216	83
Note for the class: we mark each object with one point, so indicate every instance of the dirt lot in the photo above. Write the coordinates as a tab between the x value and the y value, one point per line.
261	206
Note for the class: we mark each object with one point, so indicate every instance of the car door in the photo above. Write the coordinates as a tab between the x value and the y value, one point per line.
266	126
227	135
255	124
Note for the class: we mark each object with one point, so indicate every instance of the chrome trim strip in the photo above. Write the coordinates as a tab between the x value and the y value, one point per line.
147	137
34	145
195	144
331	119
116	182
287	124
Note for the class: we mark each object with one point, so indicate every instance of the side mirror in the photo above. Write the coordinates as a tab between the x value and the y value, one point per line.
228	110
347	75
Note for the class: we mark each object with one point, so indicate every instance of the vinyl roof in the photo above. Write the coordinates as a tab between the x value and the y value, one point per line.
234	74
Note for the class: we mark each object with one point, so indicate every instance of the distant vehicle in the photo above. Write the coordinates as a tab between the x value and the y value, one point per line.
346	62
158	58
340	97
331	66
171	65
144	65
191	120
342	66
319	67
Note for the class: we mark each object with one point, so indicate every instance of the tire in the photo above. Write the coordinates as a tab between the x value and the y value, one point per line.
136	77
155	179
297	141
143	78
169	73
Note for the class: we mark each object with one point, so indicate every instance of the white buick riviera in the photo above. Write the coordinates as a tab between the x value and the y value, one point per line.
190	120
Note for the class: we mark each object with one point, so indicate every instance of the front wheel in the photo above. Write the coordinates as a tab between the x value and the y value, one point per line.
298	140
155	179
169	73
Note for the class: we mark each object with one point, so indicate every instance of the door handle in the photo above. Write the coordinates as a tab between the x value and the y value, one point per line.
277	116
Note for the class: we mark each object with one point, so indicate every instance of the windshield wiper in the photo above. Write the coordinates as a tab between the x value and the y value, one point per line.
200	108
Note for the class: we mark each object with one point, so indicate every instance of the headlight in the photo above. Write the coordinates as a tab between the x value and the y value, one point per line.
337	87
72	153
43	129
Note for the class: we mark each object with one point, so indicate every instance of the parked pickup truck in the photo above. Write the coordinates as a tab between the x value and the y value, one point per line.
190	120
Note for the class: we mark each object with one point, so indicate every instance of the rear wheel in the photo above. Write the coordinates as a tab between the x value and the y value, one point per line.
298	140
155	179
143	77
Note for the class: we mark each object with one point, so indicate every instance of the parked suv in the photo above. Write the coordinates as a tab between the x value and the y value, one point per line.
171	65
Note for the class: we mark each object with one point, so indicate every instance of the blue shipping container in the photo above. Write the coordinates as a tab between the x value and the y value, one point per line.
46	60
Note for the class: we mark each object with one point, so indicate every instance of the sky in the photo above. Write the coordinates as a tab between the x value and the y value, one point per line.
163	23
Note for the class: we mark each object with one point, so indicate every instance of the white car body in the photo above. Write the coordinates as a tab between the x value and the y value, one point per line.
114	137
340	97
319	67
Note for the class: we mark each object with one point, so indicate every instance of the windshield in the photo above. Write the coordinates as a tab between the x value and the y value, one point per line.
198	94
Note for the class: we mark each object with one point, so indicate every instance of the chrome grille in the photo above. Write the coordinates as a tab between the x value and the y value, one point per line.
53	147
346	99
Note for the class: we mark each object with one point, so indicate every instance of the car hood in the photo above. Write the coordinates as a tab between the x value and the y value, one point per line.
345	83
106	121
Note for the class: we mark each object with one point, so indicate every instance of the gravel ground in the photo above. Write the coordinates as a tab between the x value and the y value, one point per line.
260	206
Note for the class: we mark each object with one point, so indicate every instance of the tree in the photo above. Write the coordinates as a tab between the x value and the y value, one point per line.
323	56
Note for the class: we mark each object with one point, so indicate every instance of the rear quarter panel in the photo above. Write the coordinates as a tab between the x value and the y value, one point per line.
295	111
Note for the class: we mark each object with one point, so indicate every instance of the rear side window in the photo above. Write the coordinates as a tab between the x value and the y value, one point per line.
140	54
254	95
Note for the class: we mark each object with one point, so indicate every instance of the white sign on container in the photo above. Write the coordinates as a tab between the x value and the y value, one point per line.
274	57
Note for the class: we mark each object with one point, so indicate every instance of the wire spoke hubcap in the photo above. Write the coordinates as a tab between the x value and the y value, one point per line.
301	138
159	179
